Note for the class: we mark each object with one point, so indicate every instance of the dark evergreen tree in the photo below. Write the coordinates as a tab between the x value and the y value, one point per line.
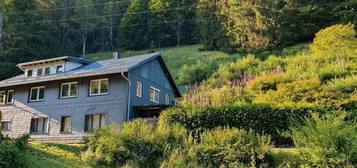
133	29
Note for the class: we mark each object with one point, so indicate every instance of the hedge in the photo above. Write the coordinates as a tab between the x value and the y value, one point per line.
262	118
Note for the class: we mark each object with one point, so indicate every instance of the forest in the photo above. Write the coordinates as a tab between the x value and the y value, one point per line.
37	29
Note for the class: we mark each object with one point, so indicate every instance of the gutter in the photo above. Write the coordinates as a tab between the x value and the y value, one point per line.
129	88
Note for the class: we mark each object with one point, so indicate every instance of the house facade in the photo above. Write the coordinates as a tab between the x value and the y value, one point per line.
63	99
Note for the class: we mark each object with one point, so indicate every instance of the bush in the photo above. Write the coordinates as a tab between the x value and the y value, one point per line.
11	151
261	118
326	140
231	148
135	143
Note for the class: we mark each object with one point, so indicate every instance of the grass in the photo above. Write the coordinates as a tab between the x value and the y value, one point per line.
175	57
50	155
284	157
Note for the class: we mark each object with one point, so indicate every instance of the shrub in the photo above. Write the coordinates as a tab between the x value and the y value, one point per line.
261	118
230	148
179	159
11	151
135	144
326	140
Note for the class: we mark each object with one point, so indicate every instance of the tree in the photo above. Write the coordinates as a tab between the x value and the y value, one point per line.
171	22
210	27
252	24
133	29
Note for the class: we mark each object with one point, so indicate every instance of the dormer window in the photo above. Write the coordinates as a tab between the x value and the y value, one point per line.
47	70
59	69
29	73
39	72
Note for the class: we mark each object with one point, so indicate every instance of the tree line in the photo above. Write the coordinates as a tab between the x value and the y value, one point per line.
38	29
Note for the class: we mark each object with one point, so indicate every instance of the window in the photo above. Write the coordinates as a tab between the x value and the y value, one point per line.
94	122
154	95
39	72
66	124
29	73
37	94
5	126
47	70
59	69
99	87
39	125
167	99
10	97
139	89
2	97
69	90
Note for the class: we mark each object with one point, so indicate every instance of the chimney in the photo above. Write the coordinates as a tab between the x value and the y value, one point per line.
116	55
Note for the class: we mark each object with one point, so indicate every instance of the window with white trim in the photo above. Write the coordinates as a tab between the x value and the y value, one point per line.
66	124
37	94
2	97
167	99
39	72
10	97
154	95
39	125
47	70
5	126
29	73
94	122
99	87
139	89
69	90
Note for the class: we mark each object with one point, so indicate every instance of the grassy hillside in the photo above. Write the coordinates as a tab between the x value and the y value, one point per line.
49	155
175	58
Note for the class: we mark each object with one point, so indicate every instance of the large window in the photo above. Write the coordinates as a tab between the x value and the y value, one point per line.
69	90
2	97
139	89
94	122
154	94
5	126
39	125
10	97
99	87
66	124
37	94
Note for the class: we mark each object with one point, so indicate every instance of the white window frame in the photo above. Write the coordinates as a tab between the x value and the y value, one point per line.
45	126
69	90
9	125
167	99
62	131
4	98
62	68
38	94
44	70
139	94
32	73
158	95
7	97
99	87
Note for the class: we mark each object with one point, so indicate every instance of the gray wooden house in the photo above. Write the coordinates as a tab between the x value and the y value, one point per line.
63	99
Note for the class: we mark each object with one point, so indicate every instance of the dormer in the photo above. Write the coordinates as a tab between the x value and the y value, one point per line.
52	66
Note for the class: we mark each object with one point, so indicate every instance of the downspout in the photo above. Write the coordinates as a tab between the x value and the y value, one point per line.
129	88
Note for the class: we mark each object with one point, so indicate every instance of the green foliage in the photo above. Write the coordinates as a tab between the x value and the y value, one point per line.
12	151
260	118
231	148
136	142
326	140
134	37
284	158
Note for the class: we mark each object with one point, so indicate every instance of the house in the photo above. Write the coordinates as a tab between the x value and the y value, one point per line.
62	99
